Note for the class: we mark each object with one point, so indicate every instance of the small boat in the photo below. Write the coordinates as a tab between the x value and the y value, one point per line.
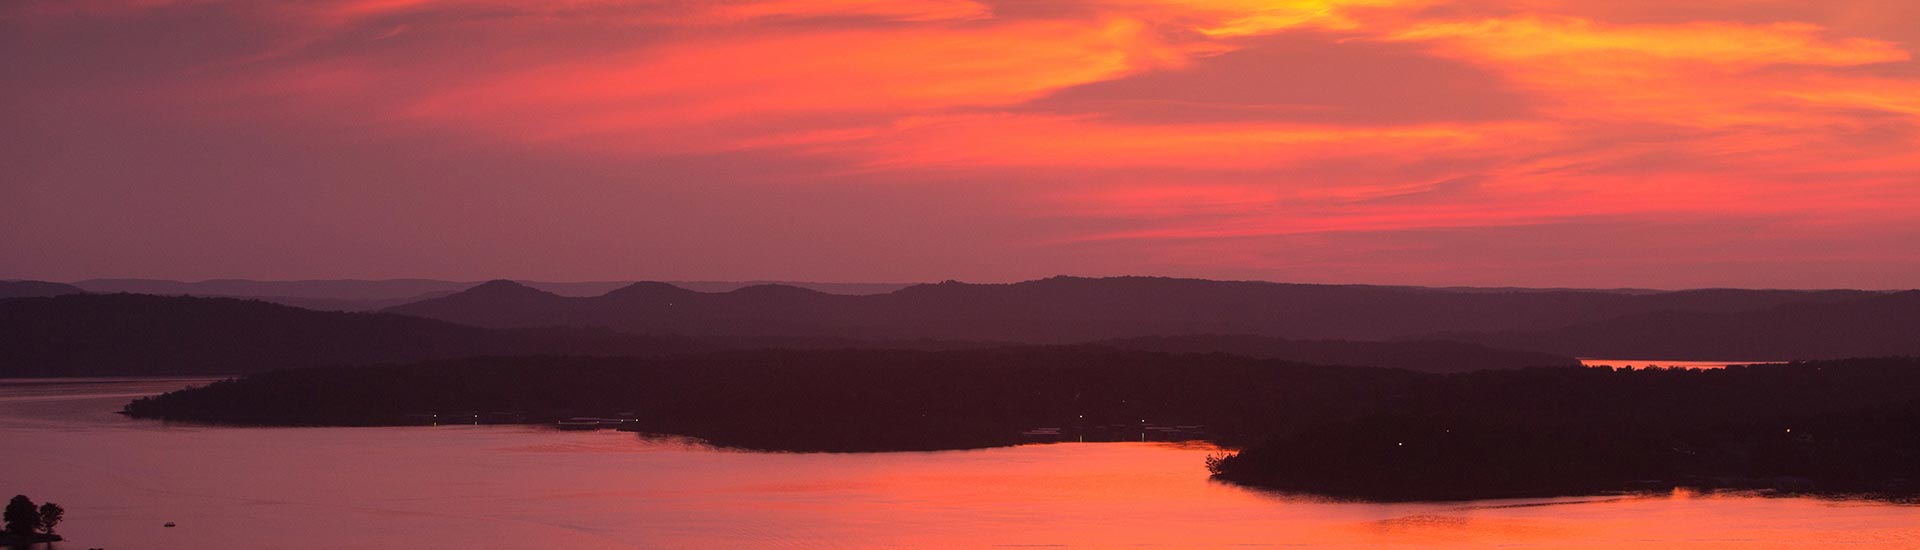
169	524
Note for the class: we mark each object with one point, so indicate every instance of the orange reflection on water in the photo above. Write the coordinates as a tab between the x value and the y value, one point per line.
1667	363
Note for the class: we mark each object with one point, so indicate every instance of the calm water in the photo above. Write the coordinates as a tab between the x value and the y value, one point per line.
1669	363
522	487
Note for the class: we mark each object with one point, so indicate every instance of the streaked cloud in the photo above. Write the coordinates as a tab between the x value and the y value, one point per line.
1092	136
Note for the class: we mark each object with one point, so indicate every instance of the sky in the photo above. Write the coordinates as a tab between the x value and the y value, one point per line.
1626	143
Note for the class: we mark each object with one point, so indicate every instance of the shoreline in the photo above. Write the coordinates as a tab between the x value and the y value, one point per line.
1764	488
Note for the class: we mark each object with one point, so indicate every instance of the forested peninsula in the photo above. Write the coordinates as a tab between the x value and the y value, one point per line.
1387	434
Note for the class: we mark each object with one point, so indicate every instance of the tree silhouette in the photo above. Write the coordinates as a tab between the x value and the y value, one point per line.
50	516
21	516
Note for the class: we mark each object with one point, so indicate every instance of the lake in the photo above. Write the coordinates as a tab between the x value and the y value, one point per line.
532	487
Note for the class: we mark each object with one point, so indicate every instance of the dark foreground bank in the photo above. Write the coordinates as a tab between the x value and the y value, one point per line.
1850	426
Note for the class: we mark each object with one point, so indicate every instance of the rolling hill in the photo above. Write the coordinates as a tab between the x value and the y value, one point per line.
35	289
133	334
1871	326
1069	309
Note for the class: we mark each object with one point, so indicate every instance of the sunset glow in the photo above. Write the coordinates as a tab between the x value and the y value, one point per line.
1481	142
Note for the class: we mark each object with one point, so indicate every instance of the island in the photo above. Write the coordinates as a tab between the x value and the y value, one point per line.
1842	426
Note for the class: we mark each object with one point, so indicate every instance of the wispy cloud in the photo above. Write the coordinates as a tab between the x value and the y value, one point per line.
1086	128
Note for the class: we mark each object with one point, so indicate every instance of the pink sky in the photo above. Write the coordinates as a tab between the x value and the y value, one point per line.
1645	143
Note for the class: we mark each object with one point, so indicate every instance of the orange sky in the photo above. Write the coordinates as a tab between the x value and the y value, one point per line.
1483	142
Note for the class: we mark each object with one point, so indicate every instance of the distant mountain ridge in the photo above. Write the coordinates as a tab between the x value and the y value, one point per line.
136	334
1070	309
1872	326
34	289
337	289
1398	327
371	295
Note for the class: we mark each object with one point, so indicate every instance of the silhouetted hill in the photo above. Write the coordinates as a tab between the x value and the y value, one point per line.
34	289
134	334
137	334
371	295
1877	325
652	308
829	288
337	289
130	334
150	335
336	304
154	335
1426	356
1374	433
1068	309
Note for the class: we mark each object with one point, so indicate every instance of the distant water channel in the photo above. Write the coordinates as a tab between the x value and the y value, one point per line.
462	487
1668	363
